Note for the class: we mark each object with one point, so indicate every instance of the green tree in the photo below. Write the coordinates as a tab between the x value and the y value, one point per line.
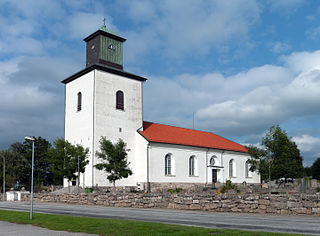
114	160
18	164
279	153
63	159
13	166
284	153
258	161
316	169
307	171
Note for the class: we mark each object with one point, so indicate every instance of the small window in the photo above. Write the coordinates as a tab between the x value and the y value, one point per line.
247	169
231	168
192	166
119	100
168	165
79	106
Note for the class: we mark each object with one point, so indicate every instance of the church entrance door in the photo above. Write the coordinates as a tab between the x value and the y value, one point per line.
214	176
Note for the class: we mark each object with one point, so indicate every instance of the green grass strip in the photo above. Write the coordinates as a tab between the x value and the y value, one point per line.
114	227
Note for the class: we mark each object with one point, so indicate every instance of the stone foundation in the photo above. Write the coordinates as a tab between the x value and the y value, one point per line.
250	203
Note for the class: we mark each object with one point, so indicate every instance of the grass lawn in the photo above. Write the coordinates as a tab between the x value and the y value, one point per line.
113	227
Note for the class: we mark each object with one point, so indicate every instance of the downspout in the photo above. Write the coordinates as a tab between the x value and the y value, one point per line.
222	166
207	166
93	127
148	171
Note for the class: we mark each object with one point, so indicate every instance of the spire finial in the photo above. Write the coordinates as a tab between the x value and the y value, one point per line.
104	21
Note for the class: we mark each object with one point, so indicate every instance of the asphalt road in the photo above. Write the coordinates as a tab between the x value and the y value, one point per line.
255	222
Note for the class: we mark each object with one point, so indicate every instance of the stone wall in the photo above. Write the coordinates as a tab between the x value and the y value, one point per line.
251	203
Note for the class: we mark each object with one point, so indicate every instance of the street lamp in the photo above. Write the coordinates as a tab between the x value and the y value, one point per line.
31	199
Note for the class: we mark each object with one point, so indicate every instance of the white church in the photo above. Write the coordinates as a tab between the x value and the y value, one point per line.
104	100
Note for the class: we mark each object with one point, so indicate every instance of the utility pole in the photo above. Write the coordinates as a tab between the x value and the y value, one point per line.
4	177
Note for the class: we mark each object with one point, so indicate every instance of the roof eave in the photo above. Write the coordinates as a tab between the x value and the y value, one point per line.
103	68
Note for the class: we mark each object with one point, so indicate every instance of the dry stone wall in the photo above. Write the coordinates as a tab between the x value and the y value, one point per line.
252	203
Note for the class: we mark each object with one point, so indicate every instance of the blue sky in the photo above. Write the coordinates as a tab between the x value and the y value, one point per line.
239	66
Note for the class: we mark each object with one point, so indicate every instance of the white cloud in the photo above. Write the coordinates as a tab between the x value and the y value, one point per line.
181	28
268	104
309	146
279	47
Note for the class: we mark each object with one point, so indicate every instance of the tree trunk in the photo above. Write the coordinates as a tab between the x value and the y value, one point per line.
114	186
69	186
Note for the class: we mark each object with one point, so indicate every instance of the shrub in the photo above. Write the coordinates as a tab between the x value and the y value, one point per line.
88	190
228	186
176	190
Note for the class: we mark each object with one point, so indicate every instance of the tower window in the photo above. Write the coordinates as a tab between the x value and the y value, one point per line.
79	106
119	100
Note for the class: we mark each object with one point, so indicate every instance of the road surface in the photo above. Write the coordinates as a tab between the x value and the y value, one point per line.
255	222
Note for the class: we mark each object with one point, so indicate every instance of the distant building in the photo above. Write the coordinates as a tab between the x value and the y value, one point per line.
104	100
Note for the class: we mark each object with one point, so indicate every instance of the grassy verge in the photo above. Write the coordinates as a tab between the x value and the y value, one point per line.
113	227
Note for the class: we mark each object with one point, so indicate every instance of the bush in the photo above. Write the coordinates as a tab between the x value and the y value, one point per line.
228	186
318	189
177	190
88	190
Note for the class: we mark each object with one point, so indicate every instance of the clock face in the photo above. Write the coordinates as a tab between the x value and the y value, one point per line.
92	47
111	47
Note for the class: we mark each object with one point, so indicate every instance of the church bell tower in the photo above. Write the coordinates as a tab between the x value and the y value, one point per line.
103	100
104	47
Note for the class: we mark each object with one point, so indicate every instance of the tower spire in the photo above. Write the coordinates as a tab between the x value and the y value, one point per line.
104	21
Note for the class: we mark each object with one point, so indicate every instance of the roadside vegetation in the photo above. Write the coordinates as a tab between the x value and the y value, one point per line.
115	227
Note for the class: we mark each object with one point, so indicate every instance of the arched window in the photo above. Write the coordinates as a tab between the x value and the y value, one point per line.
231	168
192	166
119	100
168	165
212	161
79	106
247	169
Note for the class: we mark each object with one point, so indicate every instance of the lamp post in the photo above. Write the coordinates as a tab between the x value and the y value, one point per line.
78	173
4	177
31	199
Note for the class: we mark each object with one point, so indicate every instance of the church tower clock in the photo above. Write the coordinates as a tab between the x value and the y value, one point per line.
104	47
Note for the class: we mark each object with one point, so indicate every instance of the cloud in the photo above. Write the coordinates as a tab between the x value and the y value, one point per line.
267	104
313	33
189	27
309	145
279	47
32	101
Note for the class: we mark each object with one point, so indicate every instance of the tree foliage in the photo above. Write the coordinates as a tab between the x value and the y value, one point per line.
19	161
280	152
63	159
258	161
315	168
114	160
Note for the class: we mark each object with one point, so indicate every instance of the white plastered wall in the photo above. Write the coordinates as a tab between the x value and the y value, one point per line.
114	123
79	124
181	155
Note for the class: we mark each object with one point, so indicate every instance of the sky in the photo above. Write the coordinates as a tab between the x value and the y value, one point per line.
233	67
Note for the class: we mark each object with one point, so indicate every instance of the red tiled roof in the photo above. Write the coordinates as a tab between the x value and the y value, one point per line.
175	135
